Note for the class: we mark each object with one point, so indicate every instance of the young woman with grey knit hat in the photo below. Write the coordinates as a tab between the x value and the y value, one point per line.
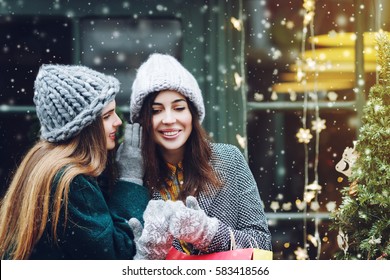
54	207
203	193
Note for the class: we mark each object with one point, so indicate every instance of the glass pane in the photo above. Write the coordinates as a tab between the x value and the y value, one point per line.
118	46
26	42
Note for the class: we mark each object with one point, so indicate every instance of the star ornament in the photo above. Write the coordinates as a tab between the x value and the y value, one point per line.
318	125
304	135
301	254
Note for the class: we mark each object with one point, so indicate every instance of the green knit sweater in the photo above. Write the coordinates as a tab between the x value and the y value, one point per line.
97	226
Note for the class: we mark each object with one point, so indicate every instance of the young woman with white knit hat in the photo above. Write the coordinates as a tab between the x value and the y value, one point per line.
203	192
58	206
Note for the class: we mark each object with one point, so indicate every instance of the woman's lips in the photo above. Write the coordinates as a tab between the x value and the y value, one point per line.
170	133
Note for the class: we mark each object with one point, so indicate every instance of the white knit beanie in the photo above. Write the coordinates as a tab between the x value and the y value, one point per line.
163	72
69	97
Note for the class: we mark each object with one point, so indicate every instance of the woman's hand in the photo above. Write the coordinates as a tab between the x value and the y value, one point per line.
128	157
153	241
191	224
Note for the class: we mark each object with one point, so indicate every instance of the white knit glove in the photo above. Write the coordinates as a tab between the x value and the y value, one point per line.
191	224
154	240
128	156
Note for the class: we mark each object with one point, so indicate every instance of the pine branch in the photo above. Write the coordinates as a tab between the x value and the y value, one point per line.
365	217
383	58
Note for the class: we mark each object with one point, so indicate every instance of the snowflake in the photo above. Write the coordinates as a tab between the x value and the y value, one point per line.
301	254
304	135
318	125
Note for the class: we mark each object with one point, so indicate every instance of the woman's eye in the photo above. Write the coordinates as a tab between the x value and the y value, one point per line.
180	108
156	111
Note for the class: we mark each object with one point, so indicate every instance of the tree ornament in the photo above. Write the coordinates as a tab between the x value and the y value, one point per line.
384	256
342	241
348	160
353	188
374	240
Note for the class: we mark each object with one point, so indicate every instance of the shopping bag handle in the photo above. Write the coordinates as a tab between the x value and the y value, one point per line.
233	244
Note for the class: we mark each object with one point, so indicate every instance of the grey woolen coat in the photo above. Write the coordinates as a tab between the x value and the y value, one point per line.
237	205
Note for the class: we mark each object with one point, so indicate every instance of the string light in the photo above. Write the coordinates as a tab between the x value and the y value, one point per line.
318	125
308	60
236	23
241	141
238	79
304	135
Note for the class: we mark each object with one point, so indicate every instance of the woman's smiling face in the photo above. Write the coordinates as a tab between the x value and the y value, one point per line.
172	124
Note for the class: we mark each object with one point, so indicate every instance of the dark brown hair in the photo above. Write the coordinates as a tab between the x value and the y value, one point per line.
198	172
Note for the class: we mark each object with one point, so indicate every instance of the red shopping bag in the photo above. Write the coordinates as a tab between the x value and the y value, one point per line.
237	254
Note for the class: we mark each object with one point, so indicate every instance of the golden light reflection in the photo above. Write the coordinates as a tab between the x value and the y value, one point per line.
344	39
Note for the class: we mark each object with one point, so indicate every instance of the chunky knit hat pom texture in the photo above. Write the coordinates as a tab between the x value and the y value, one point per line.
163	72
70	97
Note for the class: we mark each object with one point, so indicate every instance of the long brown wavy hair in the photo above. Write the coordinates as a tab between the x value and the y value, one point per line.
27	204
198	172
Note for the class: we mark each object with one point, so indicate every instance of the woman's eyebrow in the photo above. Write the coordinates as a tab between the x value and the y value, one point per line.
179	100
174	101
108	112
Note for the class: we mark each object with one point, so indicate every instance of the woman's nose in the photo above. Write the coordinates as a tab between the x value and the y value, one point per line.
168	118
118	121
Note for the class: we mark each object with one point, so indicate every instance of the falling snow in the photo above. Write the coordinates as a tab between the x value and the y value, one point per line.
116	37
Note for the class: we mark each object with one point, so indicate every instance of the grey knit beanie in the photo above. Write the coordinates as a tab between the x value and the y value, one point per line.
163	72
69	97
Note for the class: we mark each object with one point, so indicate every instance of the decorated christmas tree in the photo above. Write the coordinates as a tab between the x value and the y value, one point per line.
363	218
